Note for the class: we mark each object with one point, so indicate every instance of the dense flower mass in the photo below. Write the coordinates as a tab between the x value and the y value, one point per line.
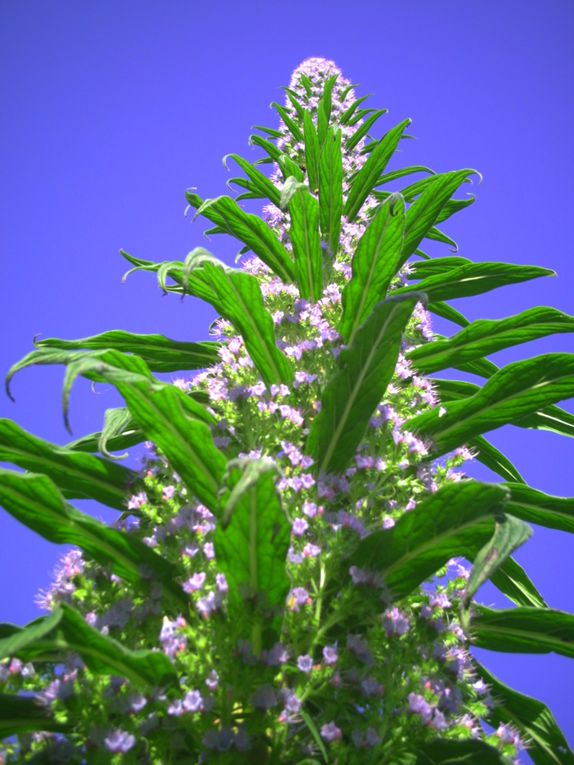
350	675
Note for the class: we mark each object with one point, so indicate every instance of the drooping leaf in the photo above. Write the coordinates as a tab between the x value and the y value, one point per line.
268	147
366	178
446	311
312	153
304	236
509	534
474	279
546	742
74	473
249	229
119	432
252	540
395	174
24	714
425	268
290	123
239	299
65	630
259	183
457	518
523	630
483	337
331	190
540	508
442	751
347	115
519	389
35	501
374	265
513	581
160	353
363	372
492	458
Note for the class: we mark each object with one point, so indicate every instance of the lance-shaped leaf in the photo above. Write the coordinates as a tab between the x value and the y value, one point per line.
523	630
396	174
519	389
446	311
347	115
442	751
252	539
494	459
170	419
74	473
35	501
304	236
23	714
546	742
312	152
324	109
239	299
424	213
509	534
160	353
67	631
119	432
474	279
456	519
374	264
290	123
273	153
363	130
249	229
364	370
186	282
259	183
331	190
363	183
540	508
483	337
425	268
513	581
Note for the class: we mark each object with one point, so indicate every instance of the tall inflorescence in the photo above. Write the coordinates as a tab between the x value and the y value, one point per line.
352	677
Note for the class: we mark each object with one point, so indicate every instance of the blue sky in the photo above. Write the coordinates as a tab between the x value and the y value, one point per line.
110	111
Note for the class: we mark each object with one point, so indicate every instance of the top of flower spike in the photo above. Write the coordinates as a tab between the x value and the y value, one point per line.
316	67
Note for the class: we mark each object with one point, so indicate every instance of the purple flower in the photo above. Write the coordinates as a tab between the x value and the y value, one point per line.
395	622
119	741
136	501
212	680
420	707
264	697
195	582
221	582
330	732
299	527
305	663
330	655
298	597
193	702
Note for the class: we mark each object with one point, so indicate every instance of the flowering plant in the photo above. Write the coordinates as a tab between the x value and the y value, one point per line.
285	581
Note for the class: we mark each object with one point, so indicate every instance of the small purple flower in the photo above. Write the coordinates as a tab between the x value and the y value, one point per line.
305	663
420	707
221	583
264	697
395	622
193	702
330	732
275	656
330	655
212	680
119	741
136	501
311	551
299	527
298	597
195	582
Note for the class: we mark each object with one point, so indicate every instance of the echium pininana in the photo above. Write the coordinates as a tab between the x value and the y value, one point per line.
292	636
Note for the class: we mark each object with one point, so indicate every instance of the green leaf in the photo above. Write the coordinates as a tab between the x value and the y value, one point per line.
535	722
23	714
474	279
423	214
249	229
396	174
160	353
448	752
483	337
239	299
331	190
66	630
259	183
490	456
119	432
252	540
76	474
35	501
290	123
363	130
309	722
519	389
540	508
362	374
304	235
435	266
513	581
366	178
349	112
509	534
324	109
271	150
454	520
311	151
374	265
446	311
523	630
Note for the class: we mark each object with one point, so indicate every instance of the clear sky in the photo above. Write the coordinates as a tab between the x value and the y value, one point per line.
109	111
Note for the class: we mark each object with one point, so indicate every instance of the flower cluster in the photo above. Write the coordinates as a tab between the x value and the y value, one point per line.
352	671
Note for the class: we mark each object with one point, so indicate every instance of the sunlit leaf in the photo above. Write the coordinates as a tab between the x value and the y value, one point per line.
331	190
304	236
